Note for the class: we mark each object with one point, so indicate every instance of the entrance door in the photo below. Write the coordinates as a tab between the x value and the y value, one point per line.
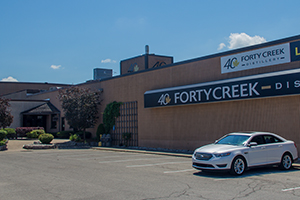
35	121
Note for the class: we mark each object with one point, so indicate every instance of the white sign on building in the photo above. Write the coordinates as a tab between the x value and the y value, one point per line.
274	55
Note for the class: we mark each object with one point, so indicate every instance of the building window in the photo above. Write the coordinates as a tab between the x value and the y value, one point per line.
54	120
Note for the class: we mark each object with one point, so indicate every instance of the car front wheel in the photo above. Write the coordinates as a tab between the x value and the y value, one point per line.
286	162
238	166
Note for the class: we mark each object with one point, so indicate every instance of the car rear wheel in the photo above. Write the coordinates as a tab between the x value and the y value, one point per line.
286	162
238	166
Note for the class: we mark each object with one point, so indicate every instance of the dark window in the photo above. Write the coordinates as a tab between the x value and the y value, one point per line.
258	139
54	119
271	139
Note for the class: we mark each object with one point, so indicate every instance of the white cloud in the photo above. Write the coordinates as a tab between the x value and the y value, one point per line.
55	66
237	40
10	79
221	46
108	61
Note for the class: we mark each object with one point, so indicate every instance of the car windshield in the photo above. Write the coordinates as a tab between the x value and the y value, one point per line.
233	139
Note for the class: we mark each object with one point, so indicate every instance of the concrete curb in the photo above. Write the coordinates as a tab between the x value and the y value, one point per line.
39	146
187	155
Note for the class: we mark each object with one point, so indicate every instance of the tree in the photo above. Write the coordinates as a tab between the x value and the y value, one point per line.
80	106
5	116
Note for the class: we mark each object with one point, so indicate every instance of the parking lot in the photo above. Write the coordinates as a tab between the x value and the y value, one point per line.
98	174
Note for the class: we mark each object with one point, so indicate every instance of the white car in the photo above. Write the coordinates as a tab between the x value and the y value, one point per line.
241	150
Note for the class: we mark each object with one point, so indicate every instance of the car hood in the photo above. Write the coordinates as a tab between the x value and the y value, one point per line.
218	148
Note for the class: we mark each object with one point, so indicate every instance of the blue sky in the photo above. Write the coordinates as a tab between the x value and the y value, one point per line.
62	41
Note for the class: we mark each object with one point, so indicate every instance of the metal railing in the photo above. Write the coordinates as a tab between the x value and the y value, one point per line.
127	122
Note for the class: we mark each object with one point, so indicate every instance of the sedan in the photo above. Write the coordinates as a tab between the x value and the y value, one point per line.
241	150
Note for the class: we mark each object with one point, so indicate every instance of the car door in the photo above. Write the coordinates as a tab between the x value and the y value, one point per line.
274	148
257	154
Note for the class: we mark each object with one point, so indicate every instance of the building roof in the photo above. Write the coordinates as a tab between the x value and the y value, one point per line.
44	109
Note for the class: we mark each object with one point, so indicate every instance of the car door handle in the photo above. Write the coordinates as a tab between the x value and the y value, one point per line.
280	145
263	147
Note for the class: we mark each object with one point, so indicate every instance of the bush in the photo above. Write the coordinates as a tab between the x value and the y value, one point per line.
64	134
2	142
35	133
32	135
21	131
3	134
46	138
11	133
75	138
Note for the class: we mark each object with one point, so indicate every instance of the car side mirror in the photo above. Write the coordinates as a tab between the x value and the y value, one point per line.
251	144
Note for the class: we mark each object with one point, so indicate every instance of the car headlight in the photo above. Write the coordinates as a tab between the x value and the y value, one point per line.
222	154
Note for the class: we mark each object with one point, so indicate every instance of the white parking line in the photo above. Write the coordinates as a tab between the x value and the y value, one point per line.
155	164
101	157
178	171
290	189
128	160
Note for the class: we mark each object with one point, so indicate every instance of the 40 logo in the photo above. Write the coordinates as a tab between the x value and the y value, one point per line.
164	99
232	63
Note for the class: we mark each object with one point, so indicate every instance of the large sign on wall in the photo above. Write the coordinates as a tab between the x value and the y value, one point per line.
279	54
256	86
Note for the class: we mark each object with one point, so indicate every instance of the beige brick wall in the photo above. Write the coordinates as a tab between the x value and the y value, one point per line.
190	126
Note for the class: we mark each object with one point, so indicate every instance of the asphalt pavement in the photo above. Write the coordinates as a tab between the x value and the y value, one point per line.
17	145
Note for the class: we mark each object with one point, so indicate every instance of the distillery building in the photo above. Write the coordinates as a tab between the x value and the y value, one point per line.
187	104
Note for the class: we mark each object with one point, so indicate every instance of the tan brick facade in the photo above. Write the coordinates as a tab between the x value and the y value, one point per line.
190	126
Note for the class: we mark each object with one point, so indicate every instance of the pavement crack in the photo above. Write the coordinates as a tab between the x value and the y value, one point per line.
176	194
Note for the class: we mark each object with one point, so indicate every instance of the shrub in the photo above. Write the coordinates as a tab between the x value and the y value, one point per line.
75	138
46	138
21	131
11	133
35	133
64	134
2	142
32	135
3	134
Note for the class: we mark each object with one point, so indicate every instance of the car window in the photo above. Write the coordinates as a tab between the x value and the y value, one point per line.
271	139
258	139
233	139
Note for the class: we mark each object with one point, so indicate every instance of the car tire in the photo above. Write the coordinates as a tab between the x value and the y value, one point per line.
286	162
238	166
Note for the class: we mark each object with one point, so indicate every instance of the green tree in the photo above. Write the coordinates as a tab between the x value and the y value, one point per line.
5	116
80	106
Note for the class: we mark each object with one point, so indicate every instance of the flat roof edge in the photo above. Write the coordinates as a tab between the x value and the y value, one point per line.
225	53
